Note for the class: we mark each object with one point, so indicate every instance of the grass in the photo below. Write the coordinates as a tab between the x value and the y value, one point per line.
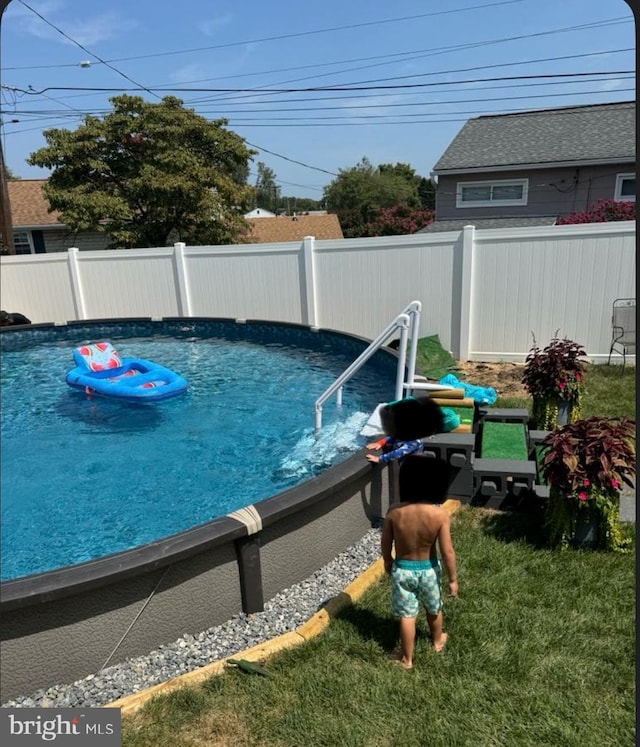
609	392
541	651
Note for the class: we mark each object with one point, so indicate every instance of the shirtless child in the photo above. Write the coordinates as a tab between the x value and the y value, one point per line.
418	528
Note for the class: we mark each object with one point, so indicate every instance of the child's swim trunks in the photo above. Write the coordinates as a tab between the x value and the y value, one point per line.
412	582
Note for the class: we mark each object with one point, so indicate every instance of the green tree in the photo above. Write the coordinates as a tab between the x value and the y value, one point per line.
149	174
300	204
267	193
9	175
358	193
427	193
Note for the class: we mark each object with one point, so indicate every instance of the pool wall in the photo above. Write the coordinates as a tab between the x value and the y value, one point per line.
61	626
52	634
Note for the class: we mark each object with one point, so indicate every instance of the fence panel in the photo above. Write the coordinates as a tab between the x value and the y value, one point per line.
248	282
133	282
554	278
38	286
362	284
483	296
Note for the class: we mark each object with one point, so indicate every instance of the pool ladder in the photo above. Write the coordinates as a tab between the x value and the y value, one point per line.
408	322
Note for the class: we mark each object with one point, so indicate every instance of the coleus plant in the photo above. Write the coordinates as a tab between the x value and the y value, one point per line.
556	371
590	456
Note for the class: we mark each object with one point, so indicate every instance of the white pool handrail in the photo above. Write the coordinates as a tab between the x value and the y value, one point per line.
408	322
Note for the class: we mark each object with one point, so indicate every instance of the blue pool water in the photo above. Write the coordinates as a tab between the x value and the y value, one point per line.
85	477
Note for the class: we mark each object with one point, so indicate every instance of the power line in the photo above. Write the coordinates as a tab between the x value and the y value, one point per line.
290	184
223	112
432	52
292	160
446	50
303	33
84	49
348	88
275	109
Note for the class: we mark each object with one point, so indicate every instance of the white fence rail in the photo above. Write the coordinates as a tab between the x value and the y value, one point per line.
484	292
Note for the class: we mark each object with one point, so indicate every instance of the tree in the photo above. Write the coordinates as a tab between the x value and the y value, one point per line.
358	193
10	176
300	204
149	175
267	194
426	188
602	212
427	193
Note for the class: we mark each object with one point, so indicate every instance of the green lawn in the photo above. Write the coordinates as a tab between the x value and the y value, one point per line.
609	392
541	652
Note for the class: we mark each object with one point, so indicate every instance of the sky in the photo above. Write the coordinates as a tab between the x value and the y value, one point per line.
411	72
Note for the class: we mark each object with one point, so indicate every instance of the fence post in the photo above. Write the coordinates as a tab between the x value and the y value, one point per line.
309	312
76	283
184	296
466	289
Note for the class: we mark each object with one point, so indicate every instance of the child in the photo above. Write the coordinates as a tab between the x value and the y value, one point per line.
415	526
405	423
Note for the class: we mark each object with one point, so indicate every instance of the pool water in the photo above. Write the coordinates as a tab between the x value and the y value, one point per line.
84	477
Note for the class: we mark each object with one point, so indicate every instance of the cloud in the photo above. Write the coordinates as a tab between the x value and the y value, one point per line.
88	31
210	26
611	84
376	105
192	73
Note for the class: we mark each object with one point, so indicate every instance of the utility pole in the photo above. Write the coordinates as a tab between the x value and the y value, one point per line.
6	224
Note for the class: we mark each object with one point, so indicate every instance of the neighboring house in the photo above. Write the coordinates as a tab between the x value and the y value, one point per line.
259	213
533	167
294	228
35	229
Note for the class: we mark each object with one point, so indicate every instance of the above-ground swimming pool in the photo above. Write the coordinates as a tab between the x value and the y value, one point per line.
85	477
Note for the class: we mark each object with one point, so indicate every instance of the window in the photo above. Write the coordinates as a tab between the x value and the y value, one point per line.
626	187
22	242
492	194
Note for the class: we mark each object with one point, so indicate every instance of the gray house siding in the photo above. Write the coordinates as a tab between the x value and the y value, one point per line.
61	240
551	191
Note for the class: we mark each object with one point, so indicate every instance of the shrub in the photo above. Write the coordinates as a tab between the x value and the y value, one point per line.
602	212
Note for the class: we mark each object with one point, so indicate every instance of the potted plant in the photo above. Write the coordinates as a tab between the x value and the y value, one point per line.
554	376
585	465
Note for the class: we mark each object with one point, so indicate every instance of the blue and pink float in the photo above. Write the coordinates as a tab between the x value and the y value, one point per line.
102	371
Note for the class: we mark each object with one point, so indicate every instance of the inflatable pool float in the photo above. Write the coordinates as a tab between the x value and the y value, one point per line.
100	370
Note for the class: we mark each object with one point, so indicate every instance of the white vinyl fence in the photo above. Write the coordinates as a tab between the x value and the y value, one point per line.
484	292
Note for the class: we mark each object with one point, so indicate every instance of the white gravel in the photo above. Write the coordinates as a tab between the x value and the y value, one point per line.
282	614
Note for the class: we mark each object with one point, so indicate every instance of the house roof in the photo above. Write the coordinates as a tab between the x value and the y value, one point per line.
594	133
459	224
294	228
29	206
259	212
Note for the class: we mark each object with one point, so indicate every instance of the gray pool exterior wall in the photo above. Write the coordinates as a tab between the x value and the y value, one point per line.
63	625
66	639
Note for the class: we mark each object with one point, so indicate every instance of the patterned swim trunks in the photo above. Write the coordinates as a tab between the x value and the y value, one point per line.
414	582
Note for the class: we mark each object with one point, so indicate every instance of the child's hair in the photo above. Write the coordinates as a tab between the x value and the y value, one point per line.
423	478
412	418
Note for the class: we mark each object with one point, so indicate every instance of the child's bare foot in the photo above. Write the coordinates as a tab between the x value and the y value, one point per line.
439	645
397	658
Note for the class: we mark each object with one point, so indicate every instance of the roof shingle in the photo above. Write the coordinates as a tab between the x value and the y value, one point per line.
598	132
29	206
294	228
457	225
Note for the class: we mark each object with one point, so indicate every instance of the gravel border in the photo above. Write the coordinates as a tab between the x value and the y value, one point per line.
284	613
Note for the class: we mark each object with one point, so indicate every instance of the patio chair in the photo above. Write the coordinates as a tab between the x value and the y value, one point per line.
623	328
